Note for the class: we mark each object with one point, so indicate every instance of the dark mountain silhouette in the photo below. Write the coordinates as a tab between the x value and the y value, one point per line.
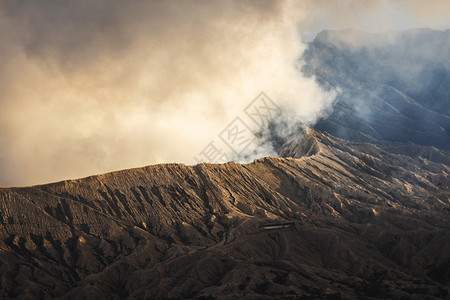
365	217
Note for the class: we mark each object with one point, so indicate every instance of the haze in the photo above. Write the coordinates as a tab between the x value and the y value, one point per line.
89	87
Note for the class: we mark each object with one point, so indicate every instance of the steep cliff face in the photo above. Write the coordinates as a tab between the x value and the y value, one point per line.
329	218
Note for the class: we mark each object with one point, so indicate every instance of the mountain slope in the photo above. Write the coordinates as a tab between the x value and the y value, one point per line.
394	87
330	218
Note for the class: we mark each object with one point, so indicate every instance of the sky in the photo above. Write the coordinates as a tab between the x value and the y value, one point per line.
88	87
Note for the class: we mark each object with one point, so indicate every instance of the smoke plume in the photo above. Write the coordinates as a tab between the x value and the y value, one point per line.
88	87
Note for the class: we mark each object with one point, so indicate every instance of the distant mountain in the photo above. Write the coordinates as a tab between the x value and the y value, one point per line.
394	86
357	207
330	218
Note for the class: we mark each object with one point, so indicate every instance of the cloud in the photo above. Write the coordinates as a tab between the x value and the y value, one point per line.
93	87
375	15
88	87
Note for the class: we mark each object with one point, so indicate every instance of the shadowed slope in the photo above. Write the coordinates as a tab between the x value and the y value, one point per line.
358	220
394	87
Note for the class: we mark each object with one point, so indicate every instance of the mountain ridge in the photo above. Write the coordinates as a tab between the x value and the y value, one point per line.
355	207
129	224
393	87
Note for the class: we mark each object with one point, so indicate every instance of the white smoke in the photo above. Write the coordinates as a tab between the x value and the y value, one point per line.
88	87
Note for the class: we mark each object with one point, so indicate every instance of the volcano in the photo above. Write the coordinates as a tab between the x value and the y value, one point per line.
355	207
